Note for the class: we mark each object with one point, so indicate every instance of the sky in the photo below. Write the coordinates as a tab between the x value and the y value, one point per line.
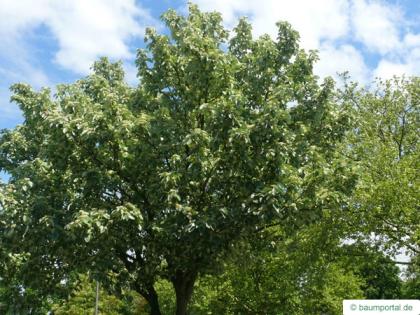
48	42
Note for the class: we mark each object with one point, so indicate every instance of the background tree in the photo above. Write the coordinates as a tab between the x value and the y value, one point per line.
385	143
220	139
411	285
295	275
81	300
380	274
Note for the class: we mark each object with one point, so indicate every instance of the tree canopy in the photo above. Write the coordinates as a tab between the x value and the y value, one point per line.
385	142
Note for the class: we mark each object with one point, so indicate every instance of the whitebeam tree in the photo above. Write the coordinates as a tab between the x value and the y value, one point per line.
220	139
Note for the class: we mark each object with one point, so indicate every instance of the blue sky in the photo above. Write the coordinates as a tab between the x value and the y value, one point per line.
47	42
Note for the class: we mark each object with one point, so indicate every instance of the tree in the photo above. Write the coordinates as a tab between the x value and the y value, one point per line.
81	300
385	144
220	139
380	274
274	274
411	284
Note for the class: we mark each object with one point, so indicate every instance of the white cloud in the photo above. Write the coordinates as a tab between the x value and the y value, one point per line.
341	30
387	69
377	25
16	16
97	27
339	59
412	40
409	66
404	61
84	30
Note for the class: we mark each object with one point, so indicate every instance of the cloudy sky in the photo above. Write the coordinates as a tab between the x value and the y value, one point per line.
46	42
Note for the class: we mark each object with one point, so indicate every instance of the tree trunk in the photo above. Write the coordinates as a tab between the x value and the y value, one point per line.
151	297
183	283
154	304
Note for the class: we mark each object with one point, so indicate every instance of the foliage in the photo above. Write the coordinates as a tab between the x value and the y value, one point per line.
411	285
385	143
380	274
16	301
83	296
271	275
